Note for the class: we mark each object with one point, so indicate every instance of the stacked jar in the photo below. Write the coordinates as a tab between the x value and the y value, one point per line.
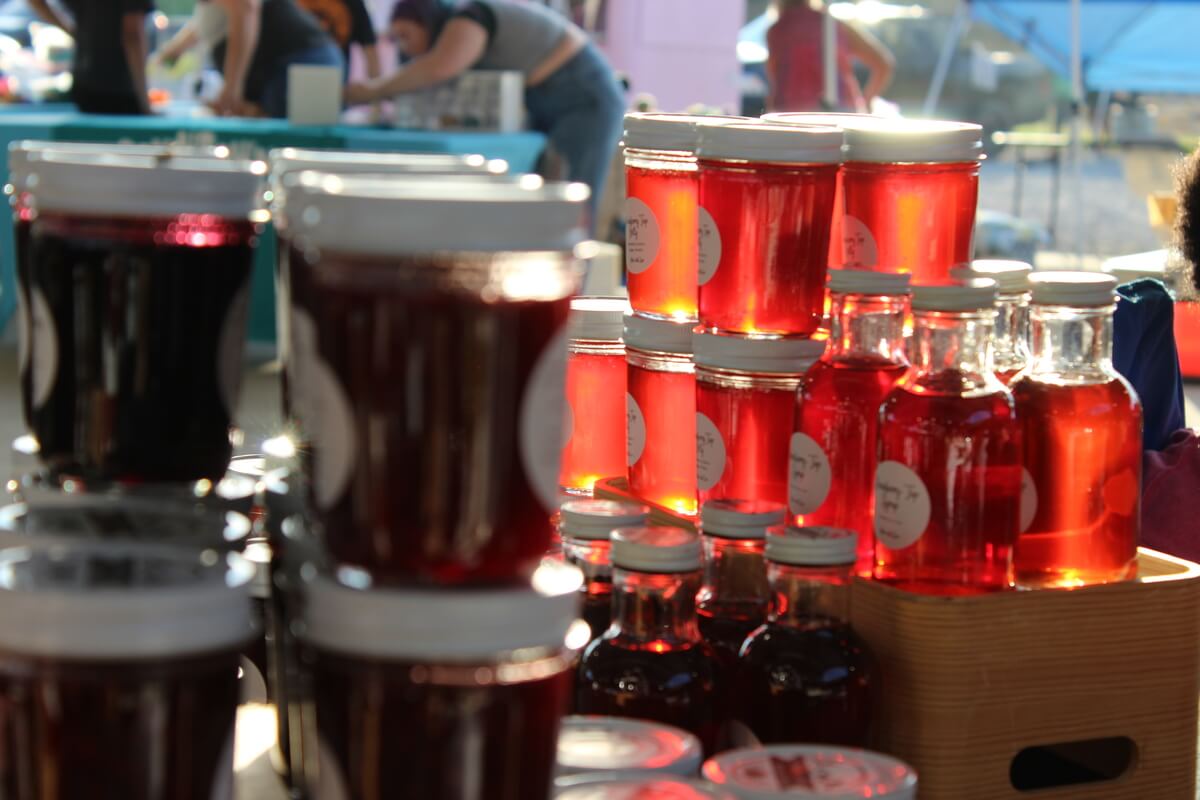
430	341
1011	337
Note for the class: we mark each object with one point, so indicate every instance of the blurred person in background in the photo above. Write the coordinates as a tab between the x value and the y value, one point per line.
253	43
571	92
348	23
796	65
111	46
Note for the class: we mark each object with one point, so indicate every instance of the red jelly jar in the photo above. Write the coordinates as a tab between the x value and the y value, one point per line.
590	745
766	204
596	375
745	396
432	694
652	663
661	413
616	786
139	265
796	772
1010	340
586	527
661	190
429	345
120	671
948	483
831	458
1082	434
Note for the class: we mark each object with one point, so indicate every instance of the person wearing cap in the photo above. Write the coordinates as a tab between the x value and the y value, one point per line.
571	92
795	61
109	70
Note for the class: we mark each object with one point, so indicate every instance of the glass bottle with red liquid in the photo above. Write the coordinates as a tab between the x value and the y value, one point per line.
745	393
596	385
733	599
831	458
652	663
661	413
586	526
1010	340
805	676
766	205
948	483
1082	425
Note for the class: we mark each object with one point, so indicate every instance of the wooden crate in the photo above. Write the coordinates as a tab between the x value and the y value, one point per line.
618	489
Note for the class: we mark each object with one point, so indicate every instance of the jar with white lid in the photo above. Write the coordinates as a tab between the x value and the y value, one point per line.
614	786
795	771
458	689
1011	336
428	353
593	744
586	527
120	636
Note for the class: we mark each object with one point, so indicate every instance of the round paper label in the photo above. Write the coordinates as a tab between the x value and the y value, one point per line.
44	349
641	236
635	428
1029	500
231	347
710	453
709	247
809	475
858	243
542	418
902	505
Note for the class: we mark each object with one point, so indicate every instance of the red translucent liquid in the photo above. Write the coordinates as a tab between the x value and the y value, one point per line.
393	730
663	411
1006	375
596	402
767	246
667	286
915	218
742	446
812	684
838	408
966	452
1083	453
725	625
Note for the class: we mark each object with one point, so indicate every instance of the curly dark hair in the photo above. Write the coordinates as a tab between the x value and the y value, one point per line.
1187	217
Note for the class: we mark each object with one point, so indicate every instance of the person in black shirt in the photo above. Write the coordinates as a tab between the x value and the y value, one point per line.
109	73
348	23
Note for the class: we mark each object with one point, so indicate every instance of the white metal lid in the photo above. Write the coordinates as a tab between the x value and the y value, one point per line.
755	353
967	295
23	153
366	215
601	744
894	140
863	281
616	786
815	545
117	601
1073	288
763	142
425	624
597	318
1011	277
658	335
287	160
792	771
656	548
127	184
740	519
597	519
654	130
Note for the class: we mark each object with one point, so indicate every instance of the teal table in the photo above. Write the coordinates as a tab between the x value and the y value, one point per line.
249	136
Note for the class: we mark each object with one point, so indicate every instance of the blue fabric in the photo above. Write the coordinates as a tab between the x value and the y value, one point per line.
273	100
1126	45
580	108
1144	352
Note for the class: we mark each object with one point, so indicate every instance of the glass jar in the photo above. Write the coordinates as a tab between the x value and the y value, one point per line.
1010	340
661	413
440	693
745	391
429	341
120	670
614	786
805	676
1082	434
595	424
948	483
138	264
587	745
831	454
586	527
652	663
766	204
796	771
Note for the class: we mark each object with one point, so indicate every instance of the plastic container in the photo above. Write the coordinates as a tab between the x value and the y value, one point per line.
429	341
425	672
948	483
596	384
766	205
787	772
745	392
831	453
98	642
138	264
1011	339
1082	430
586	526
587	745
660	413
